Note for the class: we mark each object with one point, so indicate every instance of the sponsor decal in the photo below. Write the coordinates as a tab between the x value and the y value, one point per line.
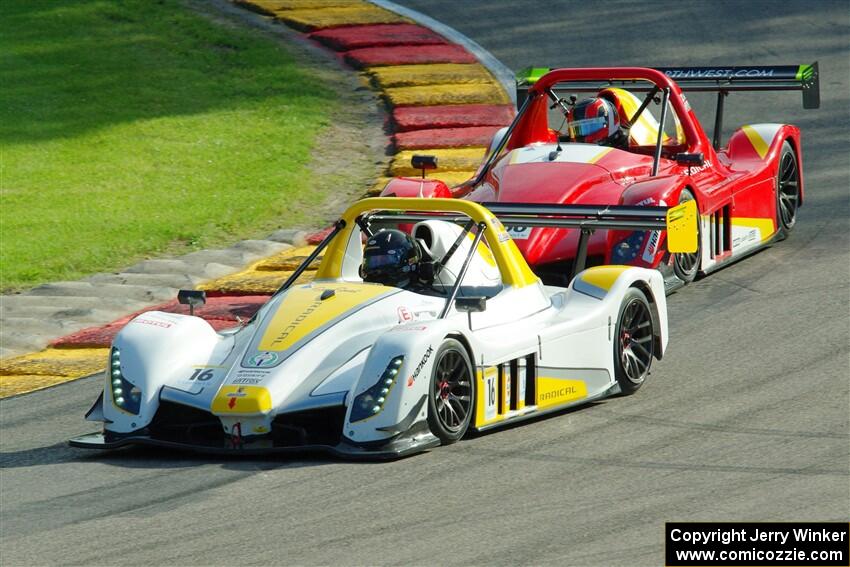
560	393
519	232
554	391
260	429
691	170
648	202
749	238
404	315
296	321
263	359
499	229
651	246
153	322
250	377
412	378
253	373
713	73
413	328
240	393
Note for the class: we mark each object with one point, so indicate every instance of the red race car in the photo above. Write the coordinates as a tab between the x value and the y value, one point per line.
627	136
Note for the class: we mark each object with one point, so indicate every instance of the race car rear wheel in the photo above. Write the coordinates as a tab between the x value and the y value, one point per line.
686	266
787	190
633	343
452	393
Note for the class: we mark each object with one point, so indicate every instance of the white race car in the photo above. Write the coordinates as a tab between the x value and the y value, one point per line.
360	368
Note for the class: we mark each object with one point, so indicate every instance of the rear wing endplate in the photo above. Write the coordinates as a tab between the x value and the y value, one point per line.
716	79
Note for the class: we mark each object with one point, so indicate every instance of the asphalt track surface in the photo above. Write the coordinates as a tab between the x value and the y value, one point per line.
745	419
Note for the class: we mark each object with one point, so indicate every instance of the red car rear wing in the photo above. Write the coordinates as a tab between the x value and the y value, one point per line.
721	80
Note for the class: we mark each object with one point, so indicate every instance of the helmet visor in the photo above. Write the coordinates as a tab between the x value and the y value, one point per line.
587	126
376	261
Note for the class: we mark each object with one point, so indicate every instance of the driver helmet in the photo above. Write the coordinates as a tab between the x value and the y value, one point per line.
391	257
593	121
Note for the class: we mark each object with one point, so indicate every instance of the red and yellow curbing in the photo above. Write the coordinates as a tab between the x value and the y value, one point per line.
311	19
47	368
378	35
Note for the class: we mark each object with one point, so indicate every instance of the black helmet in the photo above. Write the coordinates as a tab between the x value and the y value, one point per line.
390	258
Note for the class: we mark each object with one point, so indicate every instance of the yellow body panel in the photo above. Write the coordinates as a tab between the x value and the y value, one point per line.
242	400
555	391
766	227
603	277
302	311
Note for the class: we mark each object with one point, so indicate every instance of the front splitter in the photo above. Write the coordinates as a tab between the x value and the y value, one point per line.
394	450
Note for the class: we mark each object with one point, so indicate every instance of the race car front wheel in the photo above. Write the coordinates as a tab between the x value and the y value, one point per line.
787	190
686	266
452	392
633	343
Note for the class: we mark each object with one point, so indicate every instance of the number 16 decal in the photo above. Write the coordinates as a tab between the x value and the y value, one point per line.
490	397
201	375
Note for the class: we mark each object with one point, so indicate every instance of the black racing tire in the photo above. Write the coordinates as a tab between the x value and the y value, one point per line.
787	190
634	344
451	394
686	266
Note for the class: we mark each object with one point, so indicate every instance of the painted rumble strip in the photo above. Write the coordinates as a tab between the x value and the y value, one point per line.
443	102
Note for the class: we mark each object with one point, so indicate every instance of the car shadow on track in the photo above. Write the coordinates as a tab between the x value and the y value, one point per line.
156	458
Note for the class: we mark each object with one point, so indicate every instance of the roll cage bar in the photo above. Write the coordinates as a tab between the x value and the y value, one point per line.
490	222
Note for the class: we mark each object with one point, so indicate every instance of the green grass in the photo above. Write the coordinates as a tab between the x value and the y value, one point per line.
135	128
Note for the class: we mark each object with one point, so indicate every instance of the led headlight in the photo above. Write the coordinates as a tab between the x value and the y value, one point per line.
372	401
125	395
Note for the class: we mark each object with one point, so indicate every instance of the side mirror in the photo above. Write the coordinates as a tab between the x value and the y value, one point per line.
685	158
423	162
471	304
191	297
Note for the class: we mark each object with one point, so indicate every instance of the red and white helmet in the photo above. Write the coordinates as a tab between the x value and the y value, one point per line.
593	121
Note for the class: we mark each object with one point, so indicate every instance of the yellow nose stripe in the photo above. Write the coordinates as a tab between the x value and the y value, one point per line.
303	311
